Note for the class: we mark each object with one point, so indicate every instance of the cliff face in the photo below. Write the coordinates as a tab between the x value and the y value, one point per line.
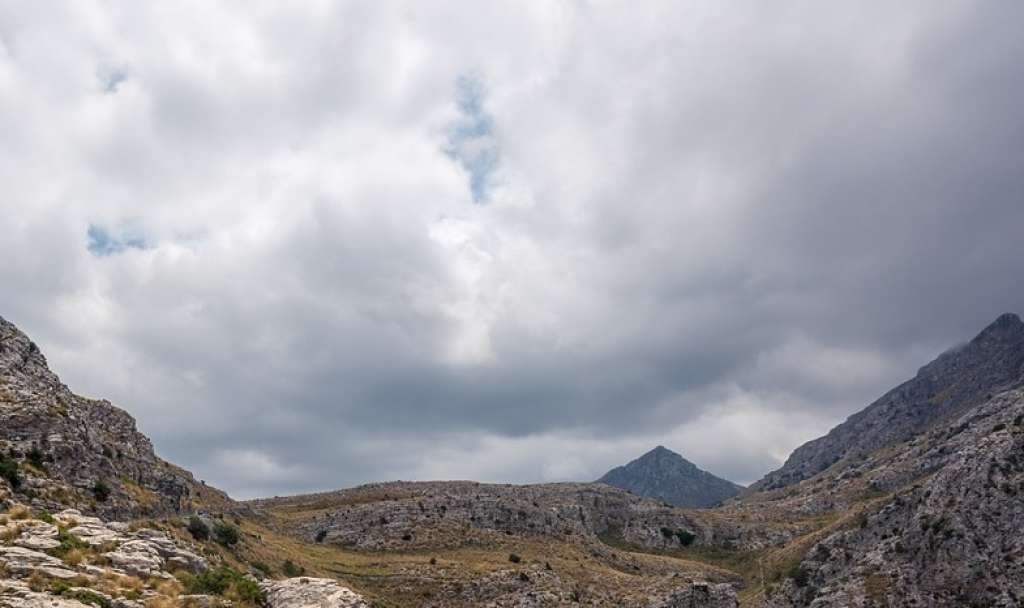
957	380
944	529
667	476
62	450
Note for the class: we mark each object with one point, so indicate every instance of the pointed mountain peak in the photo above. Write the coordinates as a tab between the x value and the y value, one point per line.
667	457
665	475
1007	324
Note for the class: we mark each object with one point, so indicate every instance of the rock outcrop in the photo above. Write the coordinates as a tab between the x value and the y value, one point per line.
304	592
957	380
58	449
946	534
667	476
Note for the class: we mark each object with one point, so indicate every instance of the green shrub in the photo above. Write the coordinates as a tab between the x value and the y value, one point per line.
37	458
45	516
219	581
685	537
799	575
9	471
101	491
87	597
292	570
198	528
263	569
515	559
67	542
226	534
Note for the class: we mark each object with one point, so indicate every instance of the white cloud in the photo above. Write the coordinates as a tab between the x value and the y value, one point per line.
688	221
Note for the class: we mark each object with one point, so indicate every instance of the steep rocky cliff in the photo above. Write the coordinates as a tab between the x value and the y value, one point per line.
957	380
667	476
58	449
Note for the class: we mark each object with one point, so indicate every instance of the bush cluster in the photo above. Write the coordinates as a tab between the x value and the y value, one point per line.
198	528
101	491
292	570
226	534
685	537
224	581
9	471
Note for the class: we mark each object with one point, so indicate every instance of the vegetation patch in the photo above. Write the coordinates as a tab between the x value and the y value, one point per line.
9	471
226	534
226	582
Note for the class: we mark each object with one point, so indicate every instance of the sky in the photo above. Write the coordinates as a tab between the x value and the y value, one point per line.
315	244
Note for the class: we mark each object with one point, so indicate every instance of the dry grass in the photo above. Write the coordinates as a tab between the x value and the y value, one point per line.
10	533
392	579
141	495
74	557
19	512
37	582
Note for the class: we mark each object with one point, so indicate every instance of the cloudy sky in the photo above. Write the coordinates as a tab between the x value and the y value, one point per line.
314	244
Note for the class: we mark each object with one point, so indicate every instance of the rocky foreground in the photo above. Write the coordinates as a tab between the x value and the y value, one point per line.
68	560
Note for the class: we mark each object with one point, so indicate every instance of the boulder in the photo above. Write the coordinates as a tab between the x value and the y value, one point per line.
305	592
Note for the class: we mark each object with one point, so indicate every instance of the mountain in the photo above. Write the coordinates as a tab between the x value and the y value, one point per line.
957	380
62	450
918	494
667	476
914	501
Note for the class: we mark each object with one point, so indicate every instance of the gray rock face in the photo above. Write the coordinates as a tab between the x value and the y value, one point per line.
667	476
417	515
146	553
73	451
951	384
305	592
952	538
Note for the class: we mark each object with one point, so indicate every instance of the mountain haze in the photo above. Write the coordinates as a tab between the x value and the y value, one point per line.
667	476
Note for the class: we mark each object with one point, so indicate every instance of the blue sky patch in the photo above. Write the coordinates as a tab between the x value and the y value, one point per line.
471	141
101	243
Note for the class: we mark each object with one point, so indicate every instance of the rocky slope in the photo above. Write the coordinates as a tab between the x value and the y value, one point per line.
957	380
667	476
930	516
68	560
58	449
943	529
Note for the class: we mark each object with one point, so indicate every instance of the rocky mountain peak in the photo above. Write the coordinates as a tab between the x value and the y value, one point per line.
1008	325
957	380
666	475
20	359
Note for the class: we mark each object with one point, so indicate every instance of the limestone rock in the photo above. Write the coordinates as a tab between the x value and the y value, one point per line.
15	594
304	592
83	453
20	560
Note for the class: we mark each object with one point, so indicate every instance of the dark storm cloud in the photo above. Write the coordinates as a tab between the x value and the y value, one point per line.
710	226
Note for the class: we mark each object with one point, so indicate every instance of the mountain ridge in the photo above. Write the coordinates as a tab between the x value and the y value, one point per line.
956	380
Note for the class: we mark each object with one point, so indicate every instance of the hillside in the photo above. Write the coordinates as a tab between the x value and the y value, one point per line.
60	450
957	380
667	476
